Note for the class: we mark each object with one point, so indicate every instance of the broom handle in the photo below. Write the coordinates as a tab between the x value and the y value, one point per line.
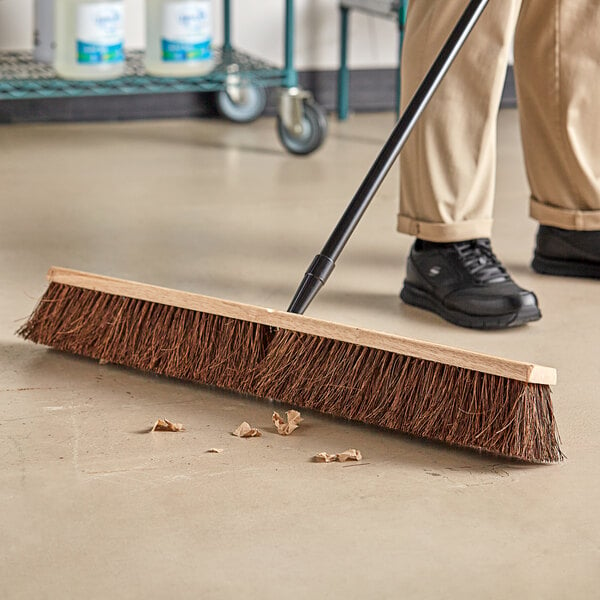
324	263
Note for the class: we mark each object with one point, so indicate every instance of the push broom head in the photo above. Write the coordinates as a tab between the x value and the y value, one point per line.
423	389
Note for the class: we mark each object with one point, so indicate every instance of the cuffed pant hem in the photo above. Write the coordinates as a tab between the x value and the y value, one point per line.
564	218
445	232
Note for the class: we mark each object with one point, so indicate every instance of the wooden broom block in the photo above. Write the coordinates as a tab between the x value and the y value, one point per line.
465	359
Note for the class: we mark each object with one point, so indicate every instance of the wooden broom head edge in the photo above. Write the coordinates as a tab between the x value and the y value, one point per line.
520	371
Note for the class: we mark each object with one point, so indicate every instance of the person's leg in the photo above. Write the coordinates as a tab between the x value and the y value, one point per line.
447	171
449	162
557	68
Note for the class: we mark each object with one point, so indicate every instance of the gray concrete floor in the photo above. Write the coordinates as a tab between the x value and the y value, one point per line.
90	507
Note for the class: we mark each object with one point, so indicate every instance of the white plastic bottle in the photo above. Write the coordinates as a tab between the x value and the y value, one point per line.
89	36
178	38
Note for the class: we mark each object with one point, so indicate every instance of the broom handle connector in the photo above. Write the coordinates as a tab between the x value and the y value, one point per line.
323	264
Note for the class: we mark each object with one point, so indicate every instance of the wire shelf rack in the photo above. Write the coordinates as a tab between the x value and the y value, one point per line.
23	78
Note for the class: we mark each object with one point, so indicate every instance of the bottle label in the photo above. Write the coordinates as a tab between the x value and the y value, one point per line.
100	33
186	31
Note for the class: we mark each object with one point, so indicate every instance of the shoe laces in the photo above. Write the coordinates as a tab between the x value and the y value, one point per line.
479	260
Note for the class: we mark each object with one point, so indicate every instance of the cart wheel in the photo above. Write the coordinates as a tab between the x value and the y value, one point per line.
314	129
249	107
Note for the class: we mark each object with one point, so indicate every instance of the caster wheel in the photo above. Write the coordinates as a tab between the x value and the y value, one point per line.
314	129
249	107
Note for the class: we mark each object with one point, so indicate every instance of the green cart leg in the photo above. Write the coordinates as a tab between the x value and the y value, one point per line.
401	28
290	75
227	25
343	74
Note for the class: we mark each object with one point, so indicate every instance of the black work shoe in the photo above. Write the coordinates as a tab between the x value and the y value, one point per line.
568	253
466	284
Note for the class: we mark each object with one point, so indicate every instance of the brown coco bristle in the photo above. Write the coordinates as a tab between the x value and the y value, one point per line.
420	397
423	398
165	340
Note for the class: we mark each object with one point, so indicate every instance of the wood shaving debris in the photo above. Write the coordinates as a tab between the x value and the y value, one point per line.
164	425
351	454
293	420
323	457
215	450
245	431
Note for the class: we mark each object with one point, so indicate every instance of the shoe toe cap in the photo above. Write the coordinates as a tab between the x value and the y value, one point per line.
492	301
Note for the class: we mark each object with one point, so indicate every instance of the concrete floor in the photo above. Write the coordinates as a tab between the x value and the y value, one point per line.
91	507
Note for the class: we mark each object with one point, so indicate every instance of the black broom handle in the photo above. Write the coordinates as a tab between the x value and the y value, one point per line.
324	263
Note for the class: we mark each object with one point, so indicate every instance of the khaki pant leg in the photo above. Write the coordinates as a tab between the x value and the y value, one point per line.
448	165
557	66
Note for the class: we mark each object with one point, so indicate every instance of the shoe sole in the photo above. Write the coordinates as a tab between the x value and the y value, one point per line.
422	299
565	268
